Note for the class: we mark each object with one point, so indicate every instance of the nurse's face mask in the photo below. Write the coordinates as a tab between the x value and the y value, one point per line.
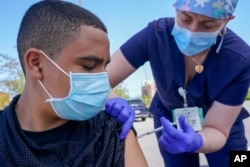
86	98
191	43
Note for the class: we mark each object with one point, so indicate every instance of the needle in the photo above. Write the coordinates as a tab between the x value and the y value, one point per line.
153	131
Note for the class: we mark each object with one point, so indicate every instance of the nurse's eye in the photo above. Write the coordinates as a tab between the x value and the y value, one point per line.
206	27
210	27
185	19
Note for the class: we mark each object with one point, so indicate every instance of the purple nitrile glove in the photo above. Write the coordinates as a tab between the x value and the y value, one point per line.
176	141
121	110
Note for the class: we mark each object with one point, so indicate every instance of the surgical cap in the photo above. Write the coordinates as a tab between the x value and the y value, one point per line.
217	9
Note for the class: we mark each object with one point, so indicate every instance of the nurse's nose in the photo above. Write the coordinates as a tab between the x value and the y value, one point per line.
193	27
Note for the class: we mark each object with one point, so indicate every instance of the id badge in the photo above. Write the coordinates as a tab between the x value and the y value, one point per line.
193	116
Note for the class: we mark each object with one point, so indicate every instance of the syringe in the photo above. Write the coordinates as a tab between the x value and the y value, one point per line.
153	131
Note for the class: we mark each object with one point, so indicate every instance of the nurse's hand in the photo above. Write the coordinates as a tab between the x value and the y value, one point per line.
176	141
121	110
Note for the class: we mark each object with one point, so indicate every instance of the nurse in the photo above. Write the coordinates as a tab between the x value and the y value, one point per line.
202	73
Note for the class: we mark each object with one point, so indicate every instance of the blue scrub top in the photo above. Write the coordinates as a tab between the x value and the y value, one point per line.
225	78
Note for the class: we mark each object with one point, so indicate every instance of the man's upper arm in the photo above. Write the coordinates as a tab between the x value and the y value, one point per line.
133	153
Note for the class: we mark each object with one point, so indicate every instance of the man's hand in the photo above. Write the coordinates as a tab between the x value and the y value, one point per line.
176	141
120	109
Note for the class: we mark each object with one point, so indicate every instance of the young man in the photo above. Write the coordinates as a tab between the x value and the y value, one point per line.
57	120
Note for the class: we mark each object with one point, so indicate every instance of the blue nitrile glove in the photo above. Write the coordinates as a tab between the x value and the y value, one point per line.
176	141
121	110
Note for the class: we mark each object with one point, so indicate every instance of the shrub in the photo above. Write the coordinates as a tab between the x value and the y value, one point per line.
4	100
248	95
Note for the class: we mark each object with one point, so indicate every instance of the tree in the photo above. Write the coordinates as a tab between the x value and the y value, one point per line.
146	99
4	100
121	90
12	77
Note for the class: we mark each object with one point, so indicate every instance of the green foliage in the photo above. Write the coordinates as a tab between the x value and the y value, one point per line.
248	95
12	78
121	90
146	100
4	100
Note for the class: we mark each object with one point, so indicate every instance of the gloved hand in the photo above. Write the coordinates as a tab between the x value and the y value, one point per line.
176	141
121	110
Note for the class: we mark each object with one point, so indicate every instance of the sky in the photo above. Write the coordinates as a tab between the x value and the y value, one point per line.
123	18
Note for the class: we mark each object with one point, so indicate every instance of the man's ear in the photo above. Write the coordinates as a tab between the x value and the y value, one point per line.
32	61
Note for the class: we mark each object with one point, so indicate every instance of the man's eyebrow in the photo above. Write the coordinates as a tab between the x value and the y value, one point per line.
93	58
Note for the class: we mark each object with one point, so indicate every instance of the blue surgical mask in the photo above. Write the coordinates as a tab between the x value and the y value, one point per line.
86	98
192	43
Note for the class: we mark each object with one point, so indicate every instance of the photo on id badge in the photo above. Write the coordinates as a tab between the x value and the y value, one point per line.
193	116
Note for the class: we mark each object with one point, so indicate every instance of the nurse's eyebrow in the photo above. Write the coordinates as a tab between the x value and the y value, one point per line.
206	20
185	13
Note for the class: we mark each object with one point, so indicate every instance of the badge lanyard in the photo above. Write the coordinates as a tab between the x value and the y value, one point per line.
182	92
193	115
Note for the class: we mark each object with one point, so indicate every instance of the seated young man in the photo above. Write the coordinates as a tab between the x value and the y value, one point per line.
58	118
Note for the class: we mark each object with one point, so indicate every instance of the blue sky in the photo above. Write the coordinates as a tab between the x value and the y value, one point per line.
123	18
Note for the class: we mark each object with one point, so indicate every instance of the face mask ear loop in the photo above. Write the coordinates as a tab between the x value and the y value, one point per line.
54	63
222	38
45	91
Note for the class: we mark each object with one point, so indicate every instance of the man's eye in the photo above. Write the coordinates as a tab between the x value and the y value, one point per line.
88	67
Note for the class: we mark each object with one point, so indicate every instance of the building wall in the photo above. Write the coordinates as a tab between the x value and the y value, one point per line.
148	89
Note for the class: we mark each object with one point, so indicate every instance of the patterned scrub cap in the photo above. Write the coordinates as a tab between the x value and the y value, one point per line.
218	9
